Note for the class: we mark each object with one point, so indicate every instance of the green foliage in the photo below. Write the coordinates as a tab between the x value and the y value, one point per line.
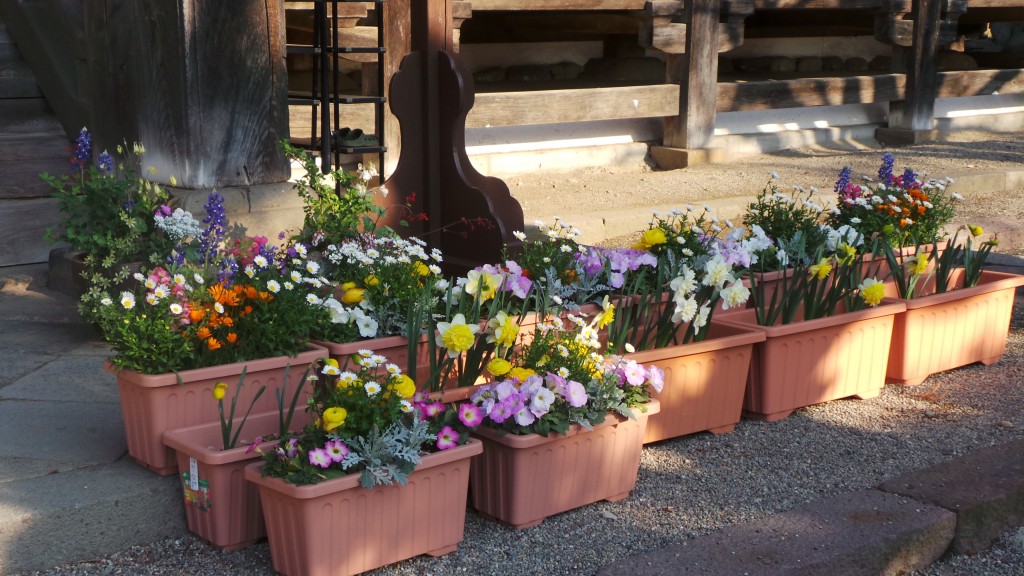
794	221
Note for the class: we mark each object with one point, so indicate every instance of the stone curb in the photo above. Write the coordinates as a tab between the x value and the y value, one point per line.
961	506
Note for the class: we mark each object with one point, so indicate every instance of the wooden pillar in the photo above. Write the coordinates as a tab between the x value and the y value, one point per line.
201	83
687	135
912	120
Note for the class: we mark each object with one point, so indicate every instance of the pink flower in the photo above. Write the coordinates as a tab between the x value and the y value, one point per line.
336	449
656	377
524	417
447	438
255	443
469	415
434	410
576	394
319	457
634	373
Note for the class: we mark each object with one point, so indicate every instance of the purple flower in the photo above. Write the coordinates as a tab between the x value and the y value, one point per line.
469	415
128	205
105	163
556	383
908	178
504	409
433	410
843	181
293	448
215	221
576	394
524	417
447	438
885	170
83	148
656	377
633	373
255	443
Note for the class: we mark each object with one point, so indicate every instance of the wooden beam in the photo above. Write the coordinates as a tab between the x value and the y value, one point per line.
802	92
480	5
980	83
696	72
580	105
917	110
817	4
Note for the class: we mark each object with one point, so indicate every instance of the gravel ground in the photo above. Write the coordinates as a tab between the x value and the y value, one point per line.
694	485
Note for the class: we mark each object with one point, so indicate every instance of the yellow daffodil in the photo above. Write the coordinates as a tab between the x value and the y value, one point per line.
499	367
872	291
333	418
485	283
846	253
822	269
503	330
920	264
607	313
456	336
220	390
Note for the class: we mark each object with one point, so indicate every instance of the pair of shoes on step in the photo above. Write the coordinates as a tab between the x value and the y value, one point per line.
348	138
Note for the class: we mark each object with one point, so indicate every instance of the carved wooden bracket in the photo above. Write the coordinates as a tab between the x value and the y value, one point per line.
663	25
894	22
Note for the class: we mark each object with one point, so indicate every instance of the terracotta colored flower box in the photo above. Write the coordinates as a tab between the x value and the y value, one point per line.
809	362
394	348
152	404
220	506
953	329
338	528
704	382
521	480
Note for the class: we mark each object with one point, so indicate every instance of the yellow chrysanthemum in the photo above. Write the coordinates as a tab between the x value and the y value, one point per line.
420	268
220	390
334	417
403	386
499	367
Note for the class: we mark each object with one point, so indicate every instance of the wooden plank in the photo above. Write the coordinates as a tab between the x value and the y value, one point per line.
554	106
980	83
482	5
27	116
817	4
973	4
771	94
17	81
23	225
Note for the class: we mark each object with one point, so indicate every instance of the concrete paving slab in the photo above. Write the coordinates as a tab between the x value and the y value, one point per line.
66	378
59	518
15	366
985	489
865	533
79	433
42	337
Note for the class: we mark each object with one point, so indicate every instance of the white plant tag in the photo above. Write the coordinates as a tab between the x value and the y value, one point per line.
193	474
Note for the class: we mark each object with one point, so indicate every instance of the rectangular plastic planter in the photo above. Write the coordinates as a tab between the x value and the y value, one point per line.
521	480
704	382
809	362
394	348
220	506
154	404
953	329
337	527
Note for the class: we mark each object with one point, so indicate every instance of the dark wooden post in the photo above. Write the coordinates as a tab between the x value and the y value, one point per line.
687	135
201	83
912	120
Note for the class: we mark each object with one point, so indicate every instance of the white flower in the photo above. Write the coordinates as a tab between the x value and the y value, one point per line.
106	301
717	272
330	370
218	307
198	278
686	308
367	327
288	285
519	235
160	291
312	299
260	260
150	283
684	284
179	279
250	271
629	348
128	300
372	388
701	319
151	299
312	267
300	250
734	296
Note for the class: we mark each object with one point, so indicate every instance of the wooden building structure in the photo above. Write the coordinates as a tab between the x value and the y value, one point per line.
205	84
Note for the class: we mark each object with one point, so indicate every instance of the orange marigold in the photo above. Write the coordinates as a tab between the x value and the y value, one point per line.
227	320
232	337
224	296
213	344
250	292
265	296
203	333
196	314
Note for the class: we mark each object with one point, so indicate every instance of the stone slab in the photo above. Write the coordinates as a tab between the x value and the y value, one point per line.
66	378
78	433
54	519
985	489
865	533
905	137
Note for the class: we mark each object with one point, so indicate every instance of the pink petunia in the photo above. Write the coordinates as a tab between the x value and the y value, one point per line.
469	415
319	457
447	438
576	394
336	449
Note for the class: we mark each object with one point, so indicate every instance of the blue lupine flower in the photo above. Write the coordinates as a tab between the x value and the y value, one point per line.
227	271
105	163
128	205
908	176
843	181
83	148
215	221
885	170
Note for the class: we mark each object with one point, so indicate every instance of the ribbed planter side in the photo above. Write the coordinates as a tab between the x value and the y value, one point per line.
221	507
521	480
814	361
704	382
338	528
154	404
953	329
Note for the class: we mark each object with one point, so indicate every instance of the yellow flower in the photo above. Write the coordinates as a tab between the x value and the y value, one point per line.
976	230
499	366
822	269
872	291
347	286
520	373
485	282
420	268
353	296
920	264
404	386
456	336
334	417
504	330
653	237
371	280
607	314
331	362
846	253
220	390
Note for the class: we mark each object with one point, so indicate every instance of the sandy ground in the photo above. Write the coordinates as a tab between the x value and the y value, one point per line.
547	194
